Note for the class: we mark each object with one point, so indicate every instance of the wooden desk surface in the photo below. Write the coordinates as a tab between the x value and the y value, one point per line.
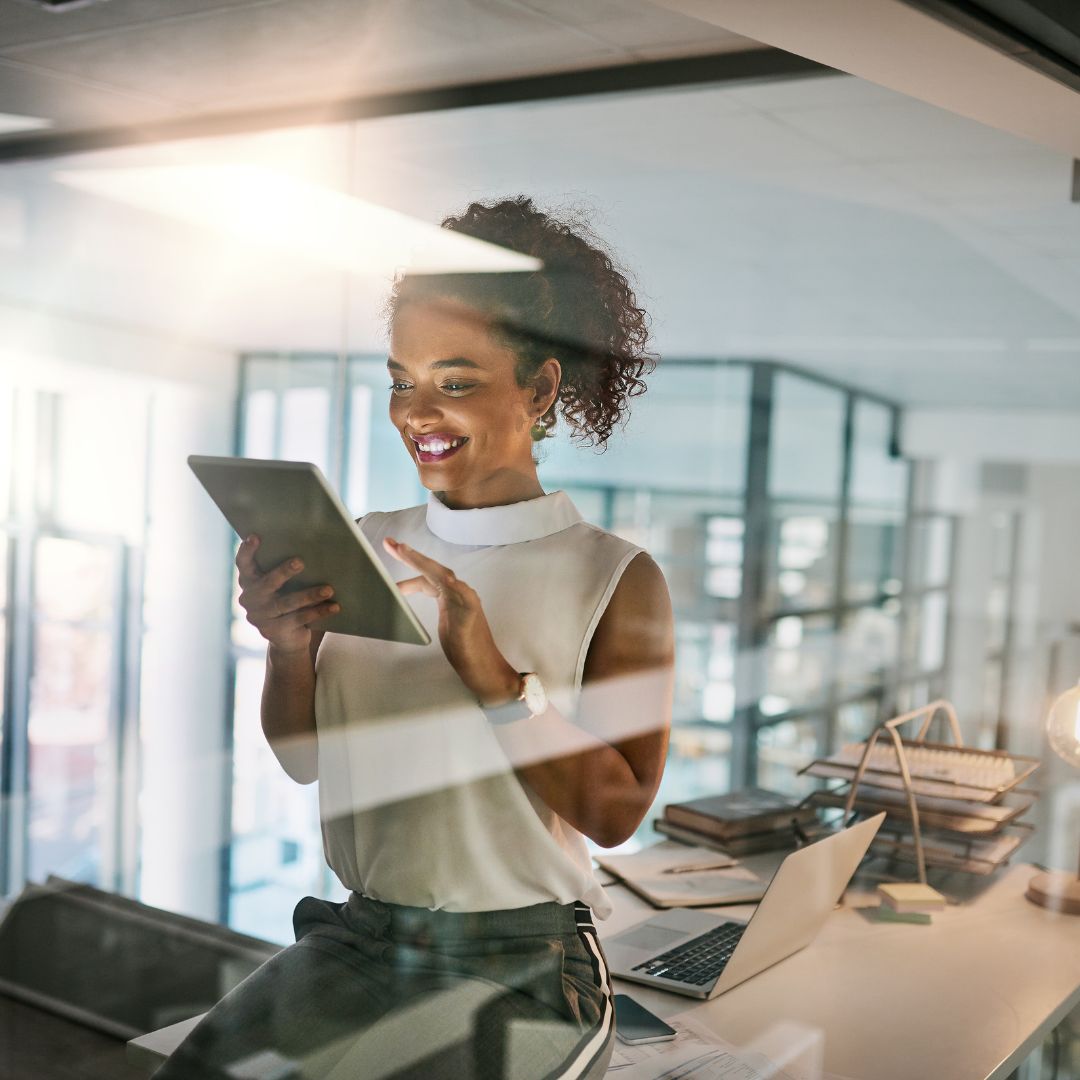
966	998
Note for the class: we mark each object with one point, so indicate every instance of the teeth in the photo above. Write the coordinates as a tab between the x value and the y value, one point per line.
438	447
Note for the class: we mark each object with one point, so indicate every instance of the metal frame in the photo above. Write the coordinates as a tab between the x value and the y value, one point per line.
1006	654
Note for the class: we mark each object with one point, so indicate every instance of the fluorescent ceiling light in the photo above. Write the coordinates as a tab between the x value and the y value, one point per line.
9	123
271	208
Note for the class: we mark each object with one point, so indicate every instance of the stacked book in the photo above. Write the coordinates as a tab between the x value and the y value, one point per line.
741	822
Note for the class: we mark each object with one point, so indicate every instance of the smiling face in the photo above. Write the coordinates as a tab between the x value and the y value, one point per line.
458	408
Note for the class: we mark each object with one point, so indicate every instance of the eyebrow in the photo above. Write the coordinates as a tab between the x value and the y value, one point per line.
457	361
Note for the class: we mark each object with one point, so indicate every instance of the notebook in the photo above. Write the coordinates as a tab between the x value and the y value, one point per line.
650	874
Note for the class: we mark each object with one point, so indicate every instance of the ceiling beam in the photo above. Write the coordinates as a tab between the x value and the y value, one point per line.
747	66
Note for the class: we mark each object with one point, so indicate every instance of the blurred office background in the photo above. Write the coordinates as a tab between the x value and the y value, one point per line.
857	463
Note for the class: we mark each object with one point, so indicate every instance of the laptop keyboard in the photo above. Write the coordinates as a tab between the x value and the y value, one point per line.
699	960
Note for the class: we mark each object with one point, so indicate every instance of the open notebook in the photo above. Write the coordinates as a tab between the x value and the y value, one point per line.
649	874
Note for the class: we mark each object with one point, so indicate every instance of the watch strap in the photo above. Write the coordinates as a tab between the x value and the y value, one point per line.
506	714
509	711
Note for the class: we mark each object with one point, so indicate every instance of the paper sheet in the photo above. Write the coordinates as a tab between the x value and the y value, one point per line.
698	1053
694	1054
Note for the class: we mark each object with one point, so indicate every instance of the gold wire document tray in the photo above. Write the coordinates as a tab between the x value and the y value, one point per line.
948	815
940	771
974	855
937	770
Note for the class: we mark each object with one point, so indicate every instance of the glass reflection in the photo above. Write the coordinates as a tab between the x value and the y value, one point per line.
70	703
785	747
802	560
799	663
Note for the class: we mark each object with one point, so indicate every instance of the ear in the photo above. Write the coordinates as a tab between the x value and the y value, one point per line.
546	385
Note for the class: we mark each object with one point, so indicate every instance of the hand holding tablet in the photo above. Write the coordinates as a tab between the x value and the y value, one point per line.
283	619
296	515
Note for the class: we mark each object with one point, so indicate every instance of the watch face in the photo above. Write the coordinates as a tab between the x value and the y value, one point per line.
535	695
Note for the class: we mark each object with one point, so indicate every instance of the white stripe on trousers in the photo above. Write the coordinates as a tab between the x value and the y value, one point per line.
582	1061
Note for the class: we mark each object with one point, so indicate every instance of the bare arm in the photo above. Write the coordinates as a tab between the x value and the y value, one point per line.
606	770
288	709
283	619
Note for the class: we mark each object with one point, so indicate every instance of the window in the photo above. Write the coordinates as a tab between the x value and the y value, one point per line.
71	620
807	600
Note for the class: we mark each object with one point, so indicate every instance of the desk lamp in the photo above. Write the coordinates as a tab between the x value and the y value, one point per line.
1057	889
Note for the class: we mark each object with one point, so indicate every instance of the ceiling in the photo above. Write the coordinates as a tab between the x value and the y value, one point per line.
133	64
825	221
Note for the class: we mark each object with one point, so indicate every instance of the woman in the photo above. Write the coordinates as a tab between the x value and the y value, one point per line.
457	780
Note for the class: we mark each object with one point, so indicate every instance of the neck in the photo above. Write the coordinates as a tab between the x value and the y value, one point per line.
498	490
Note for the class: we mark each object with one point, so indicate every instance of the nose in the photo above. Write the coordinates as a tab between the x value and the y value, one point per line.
422	409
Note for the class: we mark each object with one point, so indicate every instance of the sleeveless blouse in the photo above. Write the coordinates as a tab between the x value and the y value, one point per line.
419	803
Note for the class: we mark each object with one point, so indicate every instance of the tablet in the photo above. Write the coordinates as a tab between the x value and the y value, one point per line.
293	510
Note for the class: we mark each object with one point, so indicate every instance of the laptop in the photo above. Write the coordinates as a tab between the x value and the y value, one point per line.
701	955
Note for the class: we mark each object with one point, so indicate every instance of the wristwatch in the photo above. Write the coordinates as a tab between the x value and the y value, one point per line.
531	701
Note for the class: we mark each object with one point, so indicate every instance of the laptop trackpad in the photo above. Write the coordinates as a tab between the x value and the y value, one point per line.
650	936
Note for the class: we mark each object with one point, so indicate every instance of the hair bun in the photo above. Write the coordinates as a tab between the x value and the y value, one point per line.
579	308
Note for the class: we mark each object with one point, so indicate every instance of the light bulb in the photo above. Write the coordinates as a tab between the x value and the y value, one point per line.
1063	726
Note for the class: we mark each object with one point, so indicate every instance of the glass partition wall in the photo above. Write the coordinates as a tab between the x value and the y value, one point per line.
809	602
72	534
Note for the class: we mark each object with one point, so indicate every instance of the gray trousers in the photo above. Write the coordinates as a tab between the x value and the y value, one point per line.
378	991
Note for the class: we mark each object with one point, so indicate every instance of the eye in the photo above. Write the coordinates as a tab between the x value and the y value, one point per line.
458	385
394	386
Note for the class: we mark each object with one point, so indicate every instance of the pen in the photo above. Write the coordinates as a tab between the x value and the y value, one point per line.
699	866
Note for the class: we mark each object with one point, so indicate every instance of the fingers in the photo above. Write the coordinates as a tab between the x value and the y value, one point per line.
250	574
262	610
256	590
287	603
439	576
274	579
311	614
299	615
245	562
418	585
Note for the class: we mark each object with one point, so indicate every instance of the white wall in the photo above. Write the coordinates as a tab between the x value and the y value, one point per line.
1046	492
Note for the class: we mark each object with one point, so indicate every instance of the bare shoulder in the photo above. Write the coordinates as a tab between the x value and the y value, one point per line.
636	629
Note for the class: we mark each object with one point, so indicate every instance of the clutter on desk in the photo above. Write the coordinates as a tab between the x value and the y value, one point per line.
949	806
886	914
936	769
948	815
905	897
742	822
782	839
737	813
665	875
696	1051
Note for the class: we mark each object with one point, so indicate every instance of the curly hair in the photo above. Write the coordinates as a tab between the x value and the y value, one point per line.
578	308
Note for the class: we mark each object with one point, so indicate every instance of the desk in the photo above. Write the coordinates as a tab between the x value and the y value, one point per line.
966	998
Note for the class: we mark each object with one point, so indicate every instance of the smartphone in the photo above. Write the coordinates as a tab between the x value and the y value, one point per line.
635	1024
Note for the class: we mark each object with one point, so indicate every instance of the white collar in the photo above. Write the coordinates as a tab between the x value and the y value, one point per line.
483	526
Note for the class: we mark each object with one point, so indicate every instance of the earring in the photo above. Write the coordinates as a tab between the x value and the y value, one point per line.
538	431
